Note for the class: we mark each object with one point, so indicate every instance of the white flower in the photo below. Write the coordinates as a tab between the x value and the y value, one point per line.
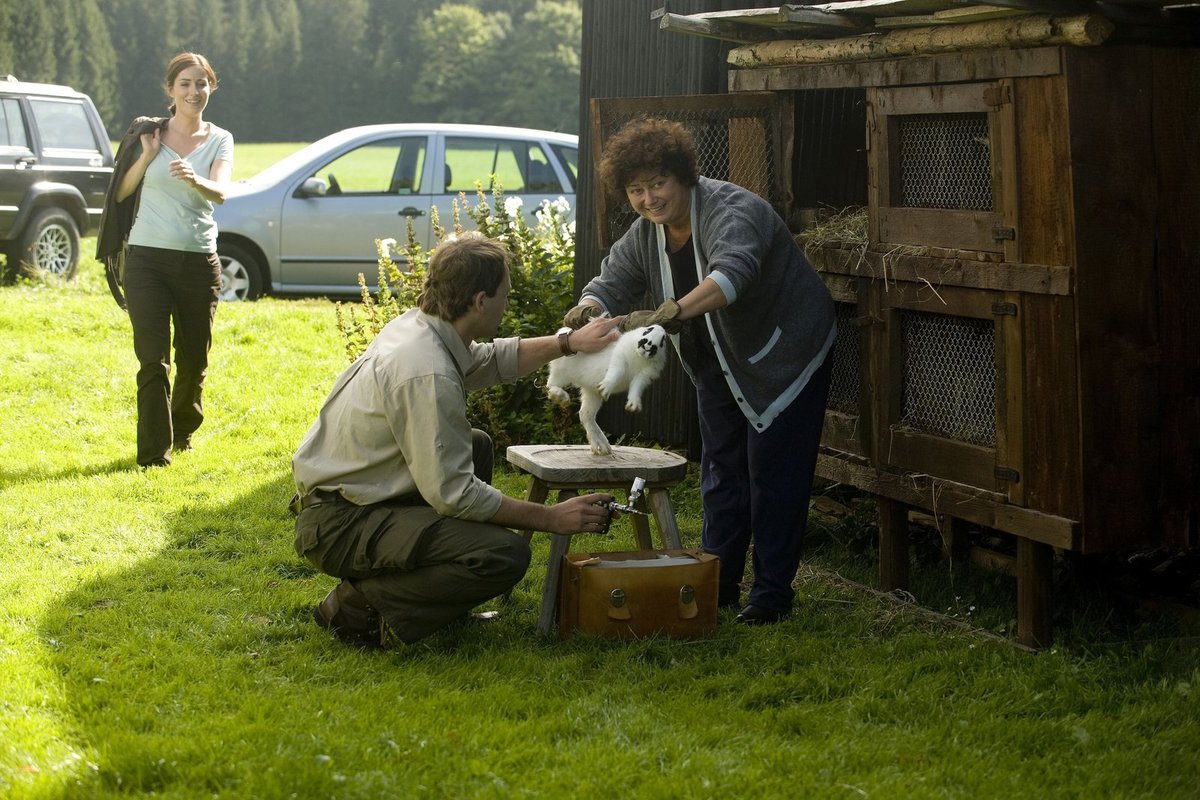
562	206
512	206
384	247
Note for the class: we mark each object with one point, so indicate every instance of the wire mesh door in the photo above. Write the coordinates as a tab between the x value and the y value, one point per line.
943	167
949	387
950	363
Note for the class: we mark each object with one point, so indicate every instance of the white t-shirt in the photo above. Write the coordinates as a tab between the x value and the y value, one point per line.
173	214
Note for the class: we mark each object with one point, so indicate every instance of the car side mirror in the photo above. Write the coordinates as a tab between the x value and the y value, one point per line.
312	187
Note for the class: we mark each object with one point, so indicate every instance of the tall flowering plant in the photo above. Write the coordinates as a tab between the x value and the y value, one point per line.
542	276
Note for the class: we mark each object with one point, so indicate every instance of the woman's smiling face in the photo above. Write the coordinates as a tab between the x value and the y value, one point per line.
191	89
661	198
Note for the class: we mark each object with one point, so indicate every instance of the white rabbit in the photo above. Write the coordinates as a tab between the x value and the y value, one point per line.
629	365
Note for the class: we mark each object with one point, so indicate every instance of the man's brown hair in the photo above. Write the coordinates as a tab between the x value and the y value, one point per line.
459	268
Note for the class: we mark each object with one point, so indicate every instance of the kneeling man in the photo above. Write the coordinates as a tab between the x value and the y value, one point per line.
393	484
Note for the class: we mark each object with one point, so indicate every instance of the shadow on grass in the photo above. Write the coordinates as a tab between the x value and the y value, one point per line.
200	665
198	670
9	479
162	652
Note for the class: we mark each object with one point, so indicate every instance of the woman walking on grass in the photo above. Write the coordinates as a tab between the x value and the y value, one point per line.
159	213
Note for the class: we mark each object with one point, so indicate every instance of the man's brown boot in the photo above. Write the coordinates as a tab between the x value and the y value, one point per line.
346	613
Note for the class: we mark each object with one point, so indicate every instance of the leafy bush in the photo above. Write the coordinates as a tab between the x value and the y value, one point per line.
542	282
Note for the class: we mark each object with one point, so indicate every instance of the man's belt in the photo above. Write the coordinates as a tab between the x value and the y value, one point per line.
317	497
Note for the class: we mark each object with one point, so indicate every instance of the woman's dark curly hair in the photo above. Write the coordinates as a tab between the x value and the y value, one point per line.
648	145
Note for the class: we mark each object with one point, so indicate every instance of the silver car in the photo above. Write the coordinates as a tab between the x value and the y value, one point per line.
308	224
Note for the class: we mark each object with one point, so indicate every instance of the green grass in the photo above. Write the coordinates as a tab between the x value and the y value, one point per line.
156	638
251	159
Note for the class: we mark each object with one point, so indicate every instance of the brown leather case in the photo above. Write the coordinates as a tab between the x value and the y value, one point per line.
633	594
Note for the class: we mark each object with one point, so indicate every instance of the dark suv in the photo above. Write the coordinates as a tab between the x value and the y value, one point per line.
55	164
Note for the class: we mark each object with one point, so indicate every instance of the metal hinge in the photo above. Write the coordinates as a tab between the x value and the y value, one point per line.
999	233
997	95
1007	309
1007	474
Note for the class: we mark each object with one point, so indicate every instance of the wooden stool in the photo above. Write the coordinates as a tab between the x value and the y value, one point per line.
570	468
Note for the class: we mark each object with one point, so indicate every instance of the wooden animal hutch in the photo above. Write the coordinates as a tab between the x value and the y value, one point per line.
1018	348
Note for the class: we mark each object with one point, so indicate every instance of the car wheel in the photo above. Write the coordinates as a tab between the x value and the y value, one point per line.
50	245
241	275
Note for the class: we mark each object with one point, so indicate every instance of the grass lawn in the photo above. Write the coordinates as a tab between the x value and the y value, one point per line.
248	158
156	635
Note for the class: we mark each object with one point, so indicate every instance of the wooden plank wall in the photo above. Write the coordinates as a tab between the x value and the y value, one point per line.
1176	100
1116	210
1052	478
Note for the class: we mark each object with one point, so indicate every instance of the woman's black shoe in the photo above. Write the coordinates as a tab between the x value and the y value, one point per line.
756	615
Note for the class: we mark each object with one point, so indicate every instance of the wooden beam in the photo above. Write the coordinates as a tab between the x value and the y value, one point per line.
942	270
1024	31
993	561
974	65
986	509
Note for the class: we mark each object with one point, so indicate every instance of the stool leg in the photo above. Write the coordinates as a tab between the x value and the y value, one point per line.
538	492
559	545
641	529
664	515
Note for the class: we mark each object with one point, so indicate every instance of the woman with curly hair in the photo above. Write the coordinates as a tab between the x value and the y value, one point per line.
752	323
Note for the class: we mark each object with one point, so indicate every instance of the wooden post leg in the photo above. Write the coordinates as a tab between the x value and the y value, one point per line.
955	546
664	515
1035	576
893	544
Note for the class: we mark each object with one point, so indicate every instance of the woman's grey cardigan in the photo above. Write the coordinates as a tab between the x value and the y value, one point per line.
778	324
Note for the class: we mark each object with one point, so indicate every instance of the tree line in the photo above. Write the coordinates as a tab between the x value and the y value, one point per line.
295	70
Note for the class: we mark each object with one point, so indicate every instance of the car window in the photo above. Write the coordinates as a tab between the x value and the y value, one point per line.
12	124
518	166
569	158
390	166
63	124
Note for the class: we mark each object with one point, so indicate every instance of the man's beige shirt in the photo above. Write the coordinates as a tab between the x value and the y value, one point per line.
395	423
